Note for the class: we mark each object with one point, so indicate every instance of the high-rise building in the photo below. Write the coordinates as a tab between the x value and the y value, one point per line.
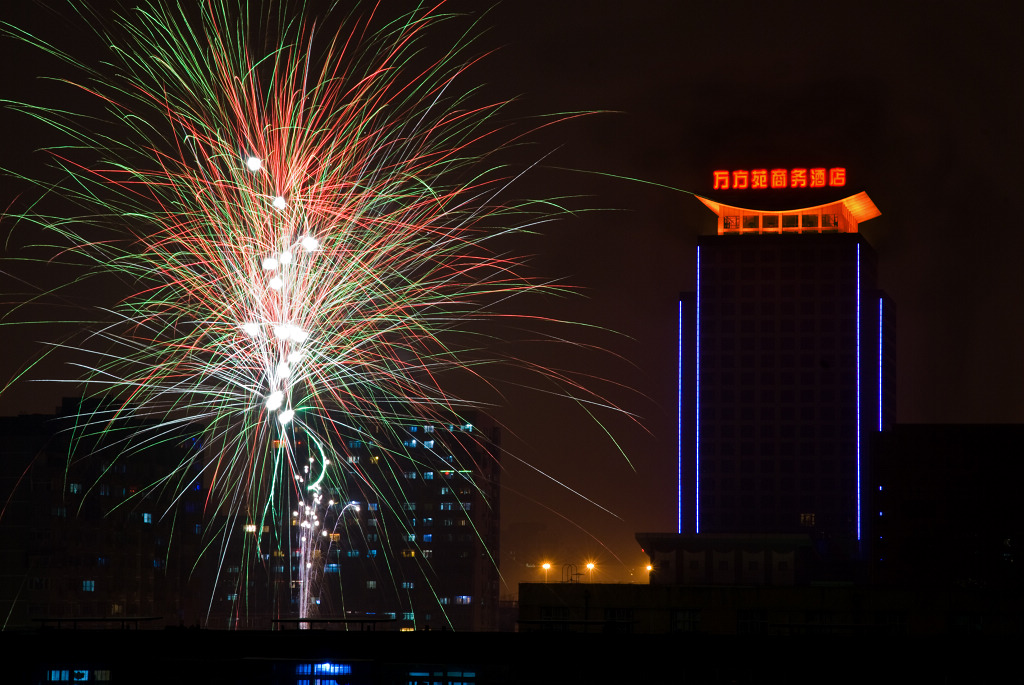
409	543
88	531
785	374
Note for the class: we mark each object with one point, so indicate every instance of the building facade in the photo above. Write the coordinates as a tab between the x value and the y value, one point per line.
786	375
89	533
409	542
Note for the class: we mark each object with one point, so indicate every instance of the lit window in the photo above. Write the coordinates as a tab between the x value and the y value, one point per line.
463	599
371	522
372	506
233	597
428	475
407	585
465	506
428	522
429	444
355	444
427	553
88	586
104	489
428	429
407	616
250	528
409	537
354	459
446	506
325	668
408	553
332	568
411	475
442	600
428	537
75	488
197	529
409	506
371	553
352	553
371	585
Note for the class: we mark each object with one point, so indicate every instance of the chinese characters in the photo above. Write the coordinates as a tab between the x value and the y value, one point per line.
761	179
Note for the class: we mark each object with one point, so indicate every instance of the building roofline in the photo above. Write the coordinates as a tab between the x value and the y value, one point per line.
860	207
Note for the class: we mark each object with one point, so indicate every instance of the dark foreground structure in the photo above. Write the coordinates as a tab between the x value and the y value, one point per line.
292	657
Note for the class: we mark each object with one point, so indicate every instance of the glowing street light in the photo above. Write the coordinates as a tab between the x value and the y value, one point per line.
590	571
547	567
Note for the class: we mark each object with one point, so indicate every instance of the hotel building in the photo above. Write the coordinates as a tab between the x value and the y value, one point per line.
785	370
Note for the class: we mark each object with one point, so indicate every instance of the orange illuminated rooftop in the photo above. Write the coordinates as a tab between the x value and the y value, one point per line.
844	216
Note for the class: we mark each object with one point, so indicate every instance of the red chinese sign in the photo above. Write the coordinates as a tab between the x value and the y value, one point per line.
762	179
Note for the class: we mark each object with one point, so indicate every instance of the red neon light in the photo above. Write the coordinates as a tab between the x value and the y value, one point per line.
762	179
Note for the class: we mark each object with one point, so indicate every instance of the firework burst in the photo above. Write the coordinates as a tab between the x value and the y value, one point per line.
307	219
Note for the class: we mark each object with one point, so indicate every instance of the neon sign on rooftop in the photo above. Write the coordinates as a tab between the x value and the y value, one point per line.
764	179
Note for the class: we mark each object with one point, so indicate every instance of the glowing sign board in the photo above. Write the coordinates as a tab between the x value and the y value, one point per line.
762	179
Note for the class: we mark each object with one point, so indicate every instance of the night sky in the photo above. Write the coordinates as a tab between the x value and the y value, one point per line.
921	101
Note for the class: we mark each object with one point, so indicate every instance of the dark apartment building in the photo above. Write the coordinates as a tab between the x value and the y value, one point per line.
406	537
94	523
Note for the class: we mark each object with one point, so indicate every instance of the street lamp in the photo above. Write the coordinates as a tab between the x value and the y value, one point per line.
547	567
590	569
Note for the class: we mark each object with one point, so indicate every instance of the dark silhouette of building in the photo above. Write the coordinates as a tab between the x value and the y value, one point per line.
948	506
104	522
91	528
786	375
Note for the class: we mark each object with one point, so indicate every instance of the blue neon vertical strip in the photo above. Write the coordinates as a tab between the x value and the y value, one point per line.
679	427
858	390
697	406
880	364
